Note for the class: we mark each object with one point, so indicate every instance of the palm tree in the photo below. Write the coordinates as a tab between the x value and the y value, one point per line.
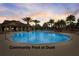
77	20
45	25
57	25
62	24
36	23
70	19
28	20
77	24
51	21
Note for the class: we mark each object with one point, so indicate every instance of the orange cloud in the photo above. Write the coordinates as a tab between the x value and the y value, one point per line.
49	15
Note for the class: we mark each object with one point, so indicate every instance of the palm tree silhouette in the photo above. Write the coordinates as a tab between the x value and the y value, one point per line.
62	24
36	23
45	26
51	21
70	20
56	25
28	20
77	24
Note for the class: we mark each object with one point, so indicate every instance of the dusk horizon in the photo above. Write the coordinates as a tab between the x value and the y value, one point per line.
39	11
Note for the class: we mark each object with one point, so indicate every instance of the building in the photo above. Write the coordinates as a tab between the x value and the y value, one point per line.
14	26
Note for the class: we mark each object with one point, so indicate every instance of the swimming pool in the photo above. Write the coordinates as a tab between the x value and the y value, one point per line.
38	37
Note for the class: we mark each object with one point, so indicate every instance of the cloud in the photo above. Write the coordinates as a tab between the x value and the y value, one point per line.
39	11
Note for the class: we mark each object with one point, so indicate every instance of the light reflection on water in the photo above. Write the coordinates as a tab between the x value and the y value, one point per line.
38	37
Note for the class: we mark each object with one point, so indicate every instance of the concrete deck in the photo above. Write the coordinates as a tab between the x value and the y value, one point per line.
70	48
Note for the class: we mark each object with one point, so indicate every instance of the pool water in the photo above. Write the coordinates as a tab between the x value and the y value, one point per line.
38	37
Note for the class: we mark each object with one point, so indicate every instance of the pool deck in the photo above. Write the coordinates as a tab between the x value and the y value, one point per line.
70	48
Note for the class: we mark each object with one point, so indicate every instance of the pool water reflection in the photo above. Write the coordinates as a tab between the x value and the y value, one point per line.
38	37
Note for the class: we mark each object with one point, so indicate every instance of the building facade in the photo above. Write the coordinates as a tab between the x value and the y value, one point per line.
14	26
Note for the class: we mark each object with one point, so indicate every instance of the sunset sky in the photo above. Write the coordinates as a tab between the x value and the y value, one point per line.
39	11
